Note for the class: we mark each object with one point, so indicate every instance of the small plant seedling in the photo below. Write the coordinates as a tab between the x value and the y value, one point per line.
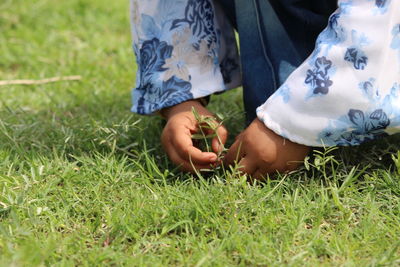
208	127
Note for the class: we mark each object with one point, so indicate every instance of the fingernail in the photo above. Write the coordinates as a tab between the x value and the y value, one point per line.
213	158
219	147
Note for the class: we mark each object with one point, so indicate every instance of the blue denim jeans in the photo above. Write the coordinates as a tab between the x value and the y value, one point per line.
276	36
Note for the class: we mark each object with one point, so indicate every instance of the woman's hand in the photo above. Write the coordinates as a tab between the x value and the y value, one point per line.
177	137
260	151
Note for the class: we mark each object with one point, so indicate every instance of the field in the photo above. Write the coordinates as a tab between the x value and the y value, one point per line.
84	182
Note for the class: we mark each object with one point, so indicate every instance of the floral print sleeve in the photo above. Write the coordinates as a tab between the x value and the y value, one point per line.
348	91
185	49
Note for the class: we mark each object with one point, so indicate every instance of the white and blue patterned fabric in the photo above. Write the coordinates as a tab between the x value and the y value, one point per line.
345	93
185	49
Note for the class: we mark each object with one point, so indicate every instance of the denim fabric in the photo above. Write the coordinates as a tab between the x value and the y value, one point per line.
276	36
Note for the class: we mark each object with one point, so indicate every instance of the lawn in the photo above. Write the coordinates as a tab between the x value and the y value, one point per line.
84	182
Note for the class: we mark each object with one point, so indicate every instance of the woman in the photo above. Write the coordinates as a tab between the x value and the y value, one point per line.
314	73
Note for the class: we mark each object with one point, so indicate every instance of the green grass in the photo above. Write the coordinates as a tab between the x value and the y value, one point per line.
84	182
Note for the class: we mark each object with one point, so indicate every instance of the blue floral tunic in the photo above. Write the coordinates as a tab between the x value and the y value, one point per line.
185	49
345	93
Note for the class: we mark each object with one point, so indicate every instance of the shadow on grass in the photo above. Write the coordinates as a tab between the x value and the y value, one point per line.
100	124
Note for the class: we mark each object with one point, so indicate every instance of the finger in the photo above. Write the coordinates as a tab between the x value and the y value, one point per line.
190	167
219	141
293	165
259	174
182	143
247	165
235	153
239	136
197	156
264	172
186	165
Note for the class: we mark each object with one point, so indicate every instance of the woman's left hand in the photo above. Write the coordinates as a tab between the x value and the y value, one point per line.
259	151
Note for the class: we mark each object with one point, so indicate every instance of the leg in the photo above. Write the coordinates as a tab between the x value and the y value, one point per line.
275	38
229	9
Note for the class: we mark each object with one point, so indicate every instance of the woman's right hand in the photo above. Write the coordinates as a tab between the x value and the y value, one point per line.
177	140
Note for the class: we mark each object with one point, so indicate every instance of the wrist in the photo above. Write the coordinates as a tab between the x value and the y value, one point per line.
186	106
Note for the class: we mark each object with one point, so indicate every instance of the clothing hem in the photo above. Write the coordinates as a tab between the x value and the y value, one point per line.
156	111
279	130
